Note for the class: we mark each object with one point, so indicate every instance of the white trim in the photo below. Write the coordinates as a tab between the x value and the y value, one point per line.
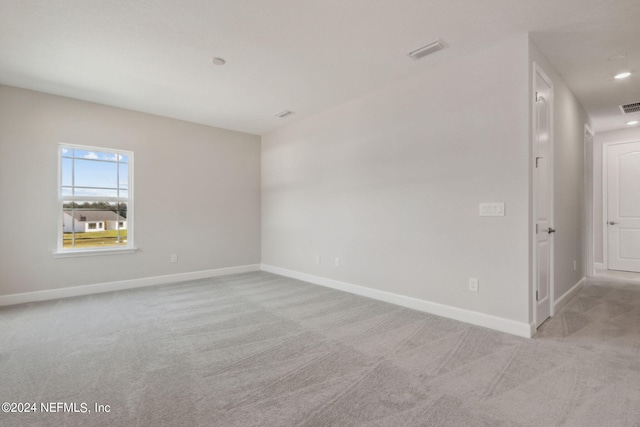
475	318
598	266
605	206
588	129
567	296
589	207
93	252
121	285
532	329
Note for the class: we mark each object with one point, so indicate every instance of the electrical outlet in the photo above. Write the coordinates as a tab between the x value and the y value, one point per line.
473	284
318	259
337	262
575	265
174	257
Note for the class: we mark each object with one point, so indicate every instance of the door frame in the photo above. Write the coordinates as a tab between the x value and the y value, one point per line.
589	206
605	197
537	70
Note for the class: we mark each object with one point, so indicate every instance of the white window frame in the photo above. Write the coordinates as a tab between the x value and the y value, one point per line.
62	252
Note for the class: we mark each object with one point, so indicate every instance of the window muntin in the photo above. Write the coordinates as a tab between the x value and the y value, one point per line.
95	199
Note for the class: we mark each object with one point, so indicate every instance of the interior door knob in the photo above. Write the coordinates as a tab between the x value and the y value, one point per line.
612	223
551	230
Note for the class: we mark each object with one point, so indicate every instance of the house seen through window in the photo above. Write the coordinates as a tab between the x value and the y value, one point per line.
95	198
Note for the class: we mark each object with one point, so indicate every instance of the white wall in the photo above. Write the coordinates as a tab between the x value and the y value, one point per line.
390	183
197	192
569	180
623	135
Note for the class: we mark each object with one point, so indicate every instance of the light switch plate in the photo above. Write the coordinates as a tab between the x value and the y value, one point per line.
492	209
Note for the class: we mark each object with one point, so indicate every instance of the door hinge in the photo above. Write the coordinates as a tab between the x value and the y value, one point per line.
536	228
536	295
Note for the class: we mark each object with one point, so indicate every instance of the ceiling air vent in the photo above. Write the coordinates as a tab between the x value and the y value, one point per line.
630	108
284	113
426	50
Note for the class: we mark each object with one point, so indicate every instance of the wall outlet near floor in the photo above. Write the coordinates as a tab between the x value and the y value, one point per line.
174	257
575	265
473	284
337	262
317	259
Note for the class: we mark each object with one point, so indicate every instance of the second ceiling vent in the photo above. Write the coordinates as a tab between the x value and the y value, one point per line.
630	108
426	50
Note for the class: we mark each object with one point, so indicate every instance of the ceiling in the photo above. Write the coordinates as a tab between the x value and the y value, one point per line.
306	56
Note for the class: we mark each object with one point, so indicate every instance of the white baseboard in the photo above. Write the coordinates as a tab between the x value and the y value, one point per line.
121	285
567	296
475	318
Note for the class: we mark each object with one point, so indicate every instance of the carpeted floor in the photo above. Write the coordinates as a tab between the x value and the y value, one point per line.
260	349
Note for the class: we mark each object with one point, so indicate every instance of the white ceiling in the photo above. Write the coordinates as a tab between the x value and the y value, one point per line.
302	55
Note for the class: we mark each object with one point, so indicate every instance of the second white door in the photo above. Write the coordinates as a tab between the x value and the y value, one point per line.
623	206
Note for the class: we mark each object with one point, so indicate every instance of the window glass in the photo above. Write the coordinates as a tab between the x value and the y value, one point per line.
95	198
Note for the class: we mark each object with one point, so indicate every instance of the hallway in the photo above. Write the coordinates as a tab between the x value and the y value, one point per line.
604	316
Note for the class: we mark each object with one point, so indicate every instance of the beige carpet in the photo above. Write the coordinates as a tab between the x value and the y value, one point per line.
260	349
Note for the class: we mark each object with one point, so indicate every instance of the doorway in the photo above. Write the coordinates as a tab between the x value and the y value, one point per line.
542	195
621	187
589	205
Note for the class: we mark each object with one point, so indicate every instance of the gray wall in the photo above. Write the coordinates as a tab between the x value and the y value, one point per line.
390	183
568	180
197	192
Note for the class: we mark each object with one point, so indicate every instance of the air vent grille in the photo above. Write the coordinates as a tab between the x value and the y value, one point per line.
426	50
630	108
284	113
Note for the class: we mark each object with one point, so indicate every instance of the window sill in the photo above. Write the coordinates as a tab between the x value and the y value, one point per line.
93	252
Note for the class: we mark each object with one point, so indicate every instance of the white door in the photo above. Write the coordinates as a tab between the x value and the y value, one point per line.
543	195
623	206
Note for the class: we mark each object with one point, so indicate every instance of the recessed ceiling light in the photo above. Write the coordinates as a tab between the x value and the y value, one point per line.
284	113
218	61
622	75
632	122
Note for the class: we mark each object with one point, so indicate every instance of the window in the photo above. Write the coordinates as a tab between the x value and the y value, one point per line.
95	196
